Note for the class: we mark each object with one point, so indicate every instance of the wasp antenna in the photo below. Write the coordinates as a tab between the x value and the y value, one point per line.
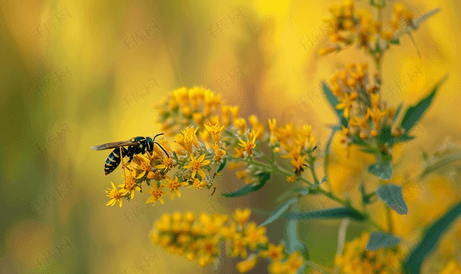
168	155
158	135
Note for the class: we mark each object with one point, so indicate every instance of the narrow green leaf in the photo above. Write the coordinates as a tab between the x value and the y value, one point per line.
385	135
424	17
301	190
279	211
395	41
331	213
382	169
222	165
380	240
393	197
412	263
414	113
263	178
397	112
333	102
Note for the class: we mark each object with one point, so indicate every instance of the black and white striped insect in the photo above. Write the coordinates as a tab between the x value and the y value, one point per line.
129	148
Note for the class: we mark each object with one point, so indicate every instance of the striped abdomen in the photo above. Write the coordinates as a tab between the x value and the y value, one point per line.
114	159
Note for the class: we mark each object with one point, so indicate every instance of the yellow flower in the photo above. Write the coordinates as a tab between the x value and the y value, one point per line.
241	124
239	247
229	232
157	194
143	163
115	195
356	259
197	184
298	164
291	179
247	265
249	145
295	261
235	112
255	235
187	138
218	152
215	131
274	252
130	182
174	186
196	165
166	163
278	267
242	216
346	103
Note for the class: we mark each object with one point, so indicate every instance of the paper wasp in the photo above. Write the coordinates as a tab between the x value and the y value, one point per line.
129	148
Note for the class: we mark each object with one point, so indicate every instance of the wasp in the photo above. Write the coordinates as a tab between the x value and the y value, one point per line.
128	148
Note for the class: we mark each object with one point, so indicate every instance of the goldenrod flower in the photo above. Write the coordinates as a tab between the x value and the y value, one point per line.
247	265
239	246
157	194
356	259
294	262
298	164
346	103
249	145
130	182
215	131
229	232
291	179
197	184
241	125
274	252
242	216
196	165
255	235
166	163
218	152
115	195
174	185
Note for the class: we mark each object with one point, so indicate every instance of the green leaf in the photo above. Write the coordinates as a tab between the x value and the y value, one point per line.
414	113
263	178
397	112
385	135
331	213
380	240
392	196
301	190
412	263
382	169
395	41
279	211
333	102
370	150
424	17
222	165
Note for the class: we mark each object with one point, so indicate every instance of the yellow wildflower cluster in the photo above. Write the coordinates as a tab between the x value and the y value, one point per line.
346	26
231	133
359	99
199	238
356	259
190	163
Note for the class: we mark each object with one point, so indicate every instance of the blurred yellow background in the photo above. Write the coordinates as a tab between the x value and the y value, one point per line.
77	74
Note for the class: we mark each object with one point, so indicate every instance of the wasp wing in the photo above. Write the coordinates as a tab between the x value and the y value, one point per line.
112	145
